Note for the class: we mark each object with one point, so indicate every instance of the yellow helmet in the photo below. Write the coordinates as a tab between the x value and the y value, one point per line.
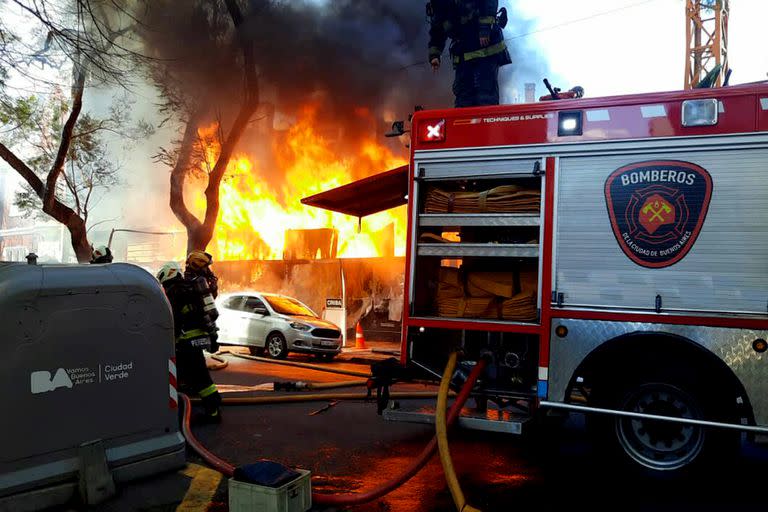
198	260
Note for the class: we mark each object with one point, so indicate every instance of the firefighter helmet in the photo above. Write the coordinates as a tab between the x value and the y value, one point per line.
169	271
101	254
198	260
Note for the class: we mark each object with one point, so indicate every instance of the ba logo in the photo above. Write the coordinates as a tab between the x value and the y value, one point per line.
43	382
657	209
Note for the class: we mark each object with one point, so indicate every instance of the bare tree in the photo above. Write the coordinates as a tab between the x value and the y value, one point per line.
195	109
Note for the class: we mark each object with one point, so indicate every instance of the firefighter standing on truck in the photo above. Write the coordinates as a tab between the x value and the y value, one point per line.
477	47
194	328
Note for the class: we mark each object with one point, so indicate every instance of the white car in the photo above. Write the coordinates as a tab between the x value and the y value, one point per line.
275	323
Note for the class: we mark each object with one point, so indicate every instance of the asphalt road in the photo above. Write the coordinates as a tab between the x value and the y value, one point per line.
349	448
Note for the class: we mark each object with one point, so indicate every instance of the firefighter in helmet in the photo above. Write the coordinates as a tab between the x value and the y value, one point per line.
193	329
198	272
199	265
477	47
101	254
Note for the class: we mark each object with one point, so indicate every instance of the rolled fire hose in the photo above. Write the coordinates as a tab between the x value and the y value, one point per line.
228	469
441	432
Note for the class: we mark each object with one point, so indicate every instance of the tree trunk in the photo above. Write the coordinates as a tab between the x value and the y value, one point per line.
79	238
199	234
58	211
178	177
47	191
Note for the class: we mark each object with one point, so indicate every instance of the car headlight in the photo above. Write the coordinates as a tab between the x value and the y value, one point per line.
300	327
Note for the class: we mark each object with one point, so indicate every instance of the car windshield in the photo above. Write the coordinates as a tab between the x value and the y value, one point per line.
288	306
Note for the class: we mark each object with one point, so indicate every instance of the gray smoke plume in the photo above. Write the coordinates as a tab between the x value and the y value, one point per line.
369	54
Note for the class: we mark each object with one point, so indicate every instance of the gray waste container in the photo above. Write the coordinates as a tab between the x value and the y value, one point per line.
86	355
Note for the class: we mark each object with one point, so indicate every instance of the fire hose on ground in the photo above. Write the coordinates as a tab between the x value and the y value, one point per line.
441	434
299	365
358	498
317	397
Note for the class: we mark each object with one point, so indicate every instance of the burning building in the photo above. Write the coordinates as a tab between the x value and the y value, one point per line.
330	74
267	239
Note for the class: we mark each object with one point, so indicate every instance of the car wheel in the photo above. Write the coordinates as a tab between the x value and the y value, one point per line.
325	357
256	351
276	346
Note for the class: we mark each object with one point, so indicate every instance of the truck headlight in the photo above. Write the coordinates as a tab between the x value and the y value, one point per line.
300	327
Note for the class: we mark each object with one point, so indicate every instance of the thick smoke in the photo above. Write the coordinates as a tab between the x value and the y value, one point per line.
360	54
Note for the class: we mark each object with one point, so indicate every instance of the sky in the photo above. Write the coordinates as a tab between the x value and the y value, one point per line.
634	46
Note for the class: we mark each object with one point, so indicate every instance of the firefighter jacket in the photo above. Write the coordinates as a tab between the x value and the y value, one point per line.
189	320
465	22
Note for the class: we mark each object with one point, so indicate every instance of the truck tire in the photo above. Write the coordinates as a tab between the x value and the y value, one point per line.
661	449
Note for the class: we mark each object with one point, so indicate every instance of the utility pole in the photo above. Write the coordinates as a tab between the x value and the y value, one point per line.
706	31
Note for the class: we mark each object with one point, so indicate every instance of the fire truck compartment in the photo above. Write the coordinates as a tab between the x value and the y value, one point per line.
722	260
477	241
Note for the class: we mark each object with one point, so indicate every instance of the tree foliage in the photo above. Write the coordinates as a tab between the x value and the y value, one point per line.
91	169
46	137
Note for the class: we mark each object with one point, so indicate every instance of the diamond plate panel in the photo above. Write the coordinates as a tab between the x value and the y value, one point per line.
733	346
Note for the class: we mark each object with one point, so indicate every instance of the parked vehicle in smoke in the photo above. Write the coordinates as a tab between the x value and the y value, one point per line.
275	324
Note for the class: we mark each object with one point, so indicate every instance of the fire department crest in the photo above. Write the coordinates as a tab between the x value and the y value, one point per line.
657	209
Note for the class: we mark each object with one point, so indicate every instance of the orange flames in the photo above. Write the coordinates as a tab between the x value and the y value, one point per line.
254	214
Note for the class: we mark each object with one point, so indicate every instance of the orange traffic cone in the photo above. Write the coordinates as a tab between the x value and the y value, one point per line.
359	338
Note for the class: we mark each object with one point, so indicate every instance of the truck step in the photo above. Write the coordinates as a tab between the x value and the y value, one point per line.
491	420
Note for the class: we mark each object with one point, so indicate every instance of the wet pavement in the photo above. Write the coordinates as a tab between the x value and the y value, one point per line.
349	448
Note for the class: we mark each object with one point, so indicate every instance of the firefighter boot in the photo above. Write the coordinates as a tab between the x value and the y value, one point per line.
212	408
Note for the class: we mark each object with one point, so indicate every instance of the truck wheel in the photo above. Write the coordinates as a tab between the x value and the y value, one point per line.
662	448
660	445
276	346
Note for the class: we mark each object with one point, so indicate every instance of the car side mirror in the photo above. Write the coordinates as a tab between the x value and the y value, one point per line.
260	311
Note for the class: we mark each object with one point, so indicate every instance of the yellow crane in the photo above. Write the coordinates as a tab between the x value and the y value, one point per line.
706	54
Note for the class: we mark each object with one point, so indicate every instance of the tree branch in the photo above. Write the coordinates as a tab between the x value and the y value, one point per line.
57	168
179	173
23	169
59	211
247	109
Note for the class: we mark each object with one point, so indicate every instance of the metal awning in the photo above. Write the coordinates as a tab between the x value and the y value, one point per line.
366	196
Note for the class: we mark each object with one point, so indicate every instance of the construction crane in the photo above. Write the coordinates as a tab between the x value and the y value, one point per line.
706	42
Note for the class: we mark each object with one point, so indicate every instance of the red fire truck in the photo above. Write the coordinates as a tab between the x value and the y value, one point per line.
609	256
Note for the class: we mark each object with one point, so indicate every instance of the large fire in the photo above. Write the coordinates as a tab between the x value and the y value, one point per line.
255	215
